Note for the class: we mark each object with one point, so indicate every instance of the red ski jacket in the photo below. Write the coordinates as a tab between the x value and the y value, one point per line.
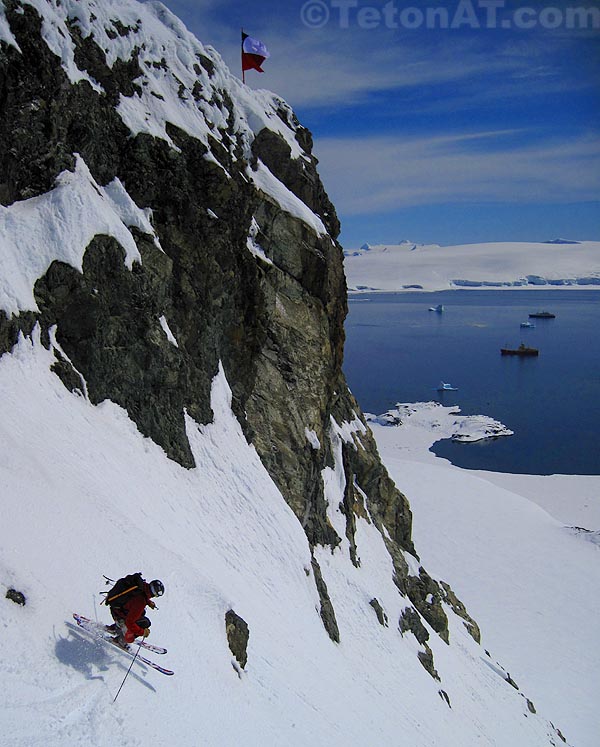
132	611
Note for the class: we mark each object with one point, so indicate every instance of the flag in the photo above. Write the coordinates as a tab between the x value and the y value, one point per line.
254	53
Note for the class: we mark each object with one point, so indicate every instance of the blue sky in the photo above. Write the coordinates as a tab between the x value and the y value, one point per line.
444	121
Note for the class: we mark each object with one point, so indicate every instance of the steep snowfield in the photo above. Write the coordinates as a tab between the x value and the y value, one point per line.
527	578
494	265
83	493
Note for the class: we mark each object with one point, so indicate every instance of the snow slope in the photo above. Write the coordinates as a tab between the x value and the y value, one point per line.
526	576
83	493
432	267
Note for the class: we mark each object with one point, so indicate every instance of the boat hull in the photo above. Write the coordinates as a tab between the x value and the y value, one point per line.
526	352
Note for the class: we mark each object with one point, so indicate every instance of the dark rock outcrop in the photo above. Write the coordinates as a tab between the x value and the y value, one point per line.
379	611
459	609
16	596
410	622
327	612
238	635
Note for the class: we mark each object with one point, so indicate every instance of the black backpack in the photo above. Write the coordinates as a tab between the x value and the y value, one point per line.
124	589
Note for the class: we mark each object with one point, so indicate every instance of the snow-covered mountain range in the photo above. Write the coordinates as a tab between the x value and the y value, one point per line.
172	300
558	263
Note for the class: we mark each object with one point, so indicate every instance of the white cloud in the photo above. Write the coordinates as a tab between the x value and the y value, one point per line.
314	70
375	174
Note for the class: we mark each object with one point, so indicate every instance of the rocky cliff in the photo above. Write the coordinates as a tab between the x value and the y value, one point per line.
229	255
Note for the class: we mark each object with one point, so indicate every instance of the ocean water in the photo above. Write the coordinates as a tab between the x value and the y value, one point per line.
399	351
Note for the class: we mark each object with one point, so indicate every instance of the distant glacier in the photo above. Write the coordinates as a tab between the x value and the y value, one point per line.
558	263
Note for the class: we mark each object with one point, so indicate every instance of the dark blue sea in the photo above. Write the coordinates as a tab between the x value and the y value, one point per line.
399	351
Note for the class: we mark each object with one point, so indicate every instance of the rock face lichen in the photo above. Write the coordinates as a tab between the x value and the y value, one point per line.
239	278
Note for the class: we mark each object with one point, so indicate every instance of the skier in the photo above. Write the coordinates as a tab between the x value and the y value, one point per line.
127	601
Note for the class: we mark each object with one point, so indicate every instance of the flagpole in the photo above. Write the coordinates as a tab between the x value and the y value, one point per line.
242	58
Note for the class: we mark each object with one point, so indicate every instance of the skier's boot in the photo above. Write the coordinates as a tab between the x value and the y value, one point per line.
119	641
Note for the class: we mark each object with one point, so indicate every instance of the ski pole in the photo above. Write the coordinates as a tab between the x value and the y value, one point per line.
129	670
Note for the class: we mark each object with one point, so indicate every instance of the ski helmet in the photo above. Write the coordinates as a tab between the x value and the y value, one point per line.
156	588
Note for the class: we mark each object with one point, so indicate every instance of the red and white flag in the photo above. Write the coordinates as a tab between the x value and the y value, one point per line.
254	53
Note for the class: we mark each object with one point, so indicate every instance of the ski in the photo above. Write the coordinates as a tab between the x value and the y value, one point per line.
95	629
137	657
102	629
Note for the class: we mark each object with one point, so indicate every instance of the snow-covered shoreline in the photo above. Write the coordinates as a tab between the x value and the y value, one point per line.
434	419
571	499
521	552
409	267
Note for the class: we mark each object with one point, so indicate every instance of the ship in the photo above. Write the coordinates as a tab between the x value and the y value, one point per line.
521	350
542	315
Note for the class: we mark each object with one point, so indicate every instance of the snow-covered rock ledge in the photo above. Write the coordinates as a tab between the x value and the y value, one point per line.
433	422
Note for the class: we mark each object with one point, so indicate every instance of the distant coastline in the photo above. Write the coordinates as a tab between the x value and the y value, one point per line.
407	267
419	289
